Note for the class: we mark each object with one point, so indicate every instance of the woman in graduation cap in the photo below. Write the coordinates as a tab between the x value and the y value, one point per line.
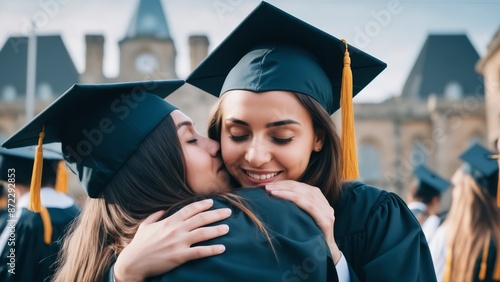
279	80
465	247
135	154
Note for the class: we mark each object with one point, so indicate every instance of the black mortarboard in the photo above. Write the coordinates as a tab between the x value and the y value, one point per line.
273	50
49	152
286	53
482	165
100	126
429	179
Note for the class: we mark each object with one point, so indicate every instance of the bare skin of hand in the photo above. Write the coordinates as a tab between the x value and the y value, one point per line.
312	201
167	243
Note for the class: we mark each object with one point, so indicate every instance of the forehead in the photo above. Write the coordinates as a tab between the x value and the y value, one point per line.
179	117
270	105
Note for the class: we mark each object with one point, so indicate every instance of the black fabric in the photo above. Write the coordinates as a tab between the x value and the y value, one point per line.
301	251
34	260
379	236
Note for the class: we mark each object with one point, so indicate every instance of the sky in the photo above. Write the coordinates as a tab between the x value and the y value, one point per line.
391	30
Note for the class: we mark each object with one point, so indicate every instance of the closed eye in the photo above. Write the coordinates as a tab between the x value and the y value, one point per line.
282	140
238	138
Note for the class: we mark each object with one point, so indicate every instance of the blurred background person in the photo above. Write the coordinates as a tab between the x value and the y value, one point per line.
464	247
36	234
425	198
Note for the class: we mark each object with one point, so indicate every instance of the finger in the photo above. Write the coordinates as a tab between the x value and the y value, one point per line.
152	218
192	209
203	252
207	217
206	233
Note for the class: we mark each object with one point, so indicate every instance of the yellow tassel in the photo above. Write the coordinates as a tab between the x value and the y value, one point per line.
36	177
62	178
484	263
447	266
350	167
496	271
47	225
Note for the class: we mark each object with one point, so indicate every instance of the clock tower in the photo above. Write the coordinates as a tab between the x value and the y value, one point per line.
147	51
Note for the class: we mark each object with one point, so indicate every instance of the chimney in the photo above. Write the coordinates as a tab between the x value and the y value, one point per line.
94	56
198	46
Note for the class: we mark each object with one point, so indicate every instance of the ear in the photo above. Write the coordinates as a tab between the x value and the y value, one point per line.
319	140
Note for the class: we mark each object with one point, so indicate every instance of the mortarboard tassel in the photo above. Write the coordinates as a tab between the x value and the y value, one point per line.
484	264
497	156
350	167
496	271
36	177
447	265
62	178
47	225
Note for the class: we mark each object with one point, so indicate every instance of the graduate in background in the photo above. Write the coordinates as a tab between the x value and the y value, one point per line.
425	198
465	246
36	235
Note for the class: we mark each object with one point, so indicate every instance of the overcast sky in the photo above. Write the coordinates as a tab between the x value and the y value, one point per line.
392	30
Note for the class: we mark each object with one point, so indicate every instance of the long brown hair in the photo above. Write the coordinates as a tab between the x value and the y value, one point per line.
473	219
152	179
324	168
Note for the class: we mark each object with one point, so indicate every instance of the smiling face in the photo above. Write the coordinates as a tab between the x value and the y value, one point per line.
204	168
266	136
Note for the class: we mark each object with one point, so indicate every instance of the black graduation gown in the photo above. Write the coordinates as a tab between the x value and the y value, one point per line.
301	251
379	236
33	258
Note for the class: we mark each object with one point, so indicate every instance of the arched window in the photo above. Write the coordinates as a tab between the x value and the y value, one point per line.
419	153
453	91
369	162
9	93
44	92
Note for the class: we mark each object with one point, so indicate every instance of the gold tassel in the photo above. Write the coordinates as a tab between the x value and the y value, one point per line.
47	225
484	263
497	156
447	266
62	178
36	177
496	271
350	167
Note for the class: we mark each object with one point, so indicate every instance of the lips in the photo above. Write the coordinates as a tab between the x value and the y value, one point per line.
255	177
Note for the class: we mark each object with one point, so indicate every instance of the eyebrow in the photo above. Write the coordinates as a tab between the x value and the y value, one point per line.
268	125
184	123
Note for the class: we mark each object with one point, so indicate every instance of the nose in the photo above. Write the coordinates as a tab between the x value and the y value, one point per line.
257	155
212	147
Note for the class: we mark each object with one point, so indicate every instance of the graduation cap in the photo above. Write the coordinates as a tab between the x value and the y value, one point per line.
482	165
273	50
23	157
99	125
428	180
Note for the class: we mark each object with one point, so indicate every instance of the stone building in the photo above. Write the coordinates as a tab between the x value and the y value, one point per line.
439	113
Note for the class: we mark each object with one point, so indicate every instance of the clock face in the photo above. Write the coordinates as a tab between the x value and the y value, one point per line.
146	63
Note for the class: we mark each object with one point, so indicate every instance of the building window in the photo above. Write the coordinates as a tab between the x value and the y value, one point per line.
9	93
453	91
44	92
419	153
369	162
